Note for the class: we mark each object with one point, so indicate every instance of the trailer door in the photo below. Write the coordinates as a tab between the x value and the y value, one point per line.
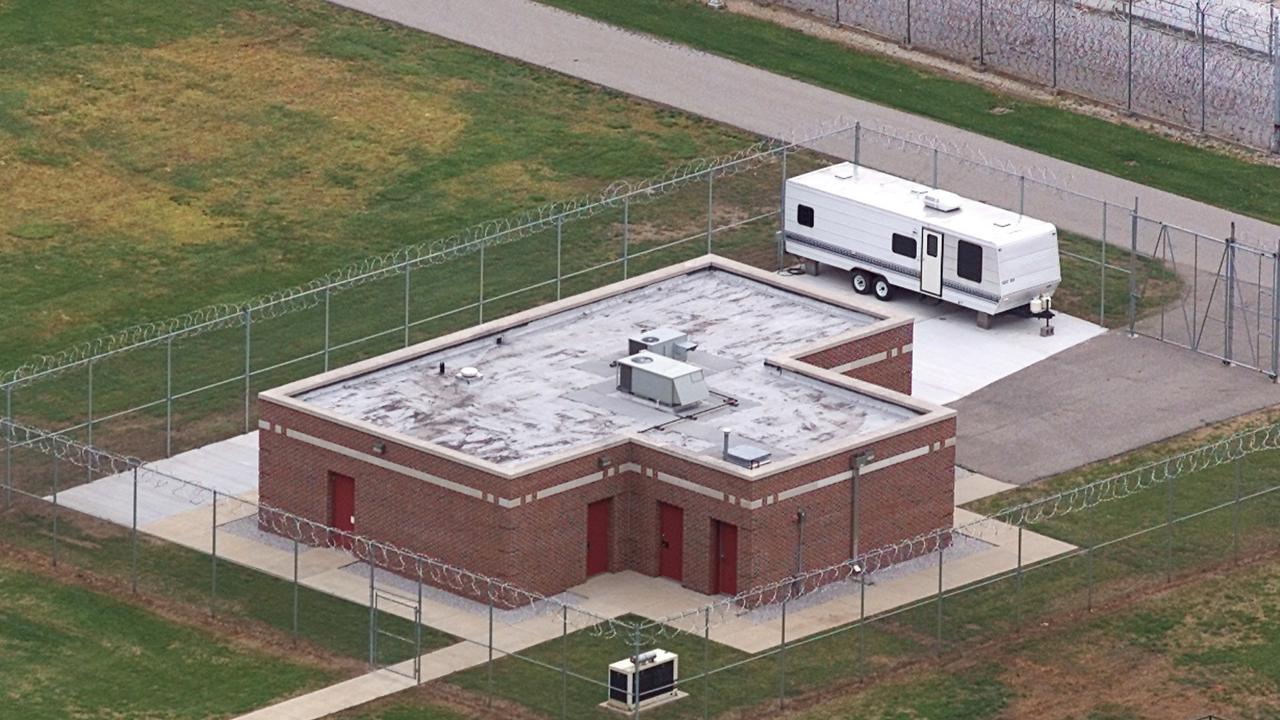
931	264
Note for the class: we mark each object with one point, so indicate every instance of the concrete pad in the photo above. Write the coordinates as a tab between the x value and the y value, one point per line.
972	486
951	356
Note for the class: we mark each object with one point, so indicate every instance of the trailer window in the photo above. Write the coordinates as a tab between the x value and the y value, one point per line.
969	261
804	215
904	245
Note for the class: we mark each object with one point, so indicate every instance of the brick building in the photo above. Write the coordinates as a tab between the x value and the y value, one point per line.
531	465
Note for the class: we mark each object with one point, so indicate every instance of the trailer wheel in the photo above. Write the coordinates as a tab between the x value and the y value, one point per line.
861	282
882	289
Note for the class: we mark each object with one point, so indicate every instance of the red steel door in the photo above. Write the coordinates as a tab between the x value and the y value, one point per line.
724	560
598	514
342	507
671	541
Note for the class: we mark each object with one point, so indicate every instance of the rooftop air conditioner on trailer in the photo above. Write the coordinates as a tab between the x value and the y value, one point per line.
644	680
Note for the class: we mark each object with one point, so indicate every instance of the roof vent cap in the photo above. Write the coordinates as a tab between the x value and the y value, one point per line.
468	374
843	172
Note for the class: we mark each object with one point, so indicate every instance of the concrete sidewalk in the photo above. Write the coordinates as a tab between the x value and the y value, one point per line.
749	98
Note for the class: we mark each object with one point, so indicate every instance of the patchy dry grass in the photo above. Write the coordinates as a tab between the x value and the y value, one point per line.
156	163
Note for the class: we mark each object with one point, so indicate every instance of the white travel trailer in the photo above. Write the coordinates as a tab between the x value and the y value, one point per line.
890	232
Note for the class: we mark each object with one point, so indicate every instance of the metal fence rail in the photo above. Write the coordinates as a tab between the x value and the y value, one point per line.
1207	65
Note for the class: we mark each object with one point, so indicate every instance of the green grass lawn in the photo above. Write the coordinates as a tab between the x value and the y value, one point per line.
70	652
159	161
174	573
1212	177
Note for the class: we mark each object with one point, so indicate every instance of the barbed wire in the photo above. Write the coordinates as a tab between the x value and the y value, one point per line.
1184	53
865	567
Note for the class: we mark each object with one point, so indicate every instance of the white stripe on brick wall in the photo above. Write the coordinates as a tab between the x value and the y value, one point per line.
894	460
508	504
569	485
630	467
949	442
750	504
860	362
264	425
907	348
394	467
690	486
815	485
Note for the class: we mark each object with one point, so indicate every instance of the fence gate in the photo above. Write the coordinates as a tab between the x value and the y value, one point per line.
394	645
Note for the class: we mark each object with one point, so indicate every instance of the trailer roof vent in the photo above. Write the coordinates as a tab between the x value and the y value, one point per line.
843	172
942	200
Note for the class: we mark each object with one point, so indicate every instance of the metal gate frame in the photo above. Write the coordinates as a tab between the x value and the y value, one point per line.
378	633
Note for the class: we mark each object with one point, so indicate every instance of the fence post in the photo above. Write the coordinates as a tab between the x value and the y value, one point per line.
935	167
168	396
564	661
1054	42
213	555
327	292
782	209
1022	194
1204	90
408	275
1229	295
634	687
837	21
133	536
248	363
1129	72
55	508
481	303
489	664
1275	87
706	662
857	143
908	23
1090	542
1017	600
1275	316
862	622
417	630
1133	268
1168	548
1235	512
559	240
711	187
982	34
1102	294
8	446
782	659
626	235
938	647
373	613
295	589
88	467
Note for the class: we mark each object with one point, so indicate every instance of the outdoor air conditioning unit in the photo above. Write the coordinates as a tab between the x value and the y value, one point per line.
662	341
644	680
665	381
942	200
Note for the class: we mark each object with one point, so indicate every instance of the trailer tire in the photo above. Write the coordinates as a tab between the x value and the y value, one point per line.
861	282
882	289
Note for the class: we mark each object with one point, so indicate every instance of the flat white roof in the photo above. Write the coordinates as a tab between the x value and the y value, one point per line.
548	386
904	197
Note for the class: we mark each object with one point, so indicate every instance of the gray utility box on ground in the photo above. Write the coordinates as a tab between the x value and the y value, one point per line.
661	379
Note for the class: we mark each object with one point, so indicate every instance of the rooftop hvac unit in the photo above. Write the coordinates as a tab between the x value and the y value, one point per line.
942	200
662	341
644	680
661	379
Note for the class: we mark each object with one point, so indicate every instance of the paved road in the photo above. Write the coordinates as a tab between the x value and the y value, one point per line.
1103	397
743	96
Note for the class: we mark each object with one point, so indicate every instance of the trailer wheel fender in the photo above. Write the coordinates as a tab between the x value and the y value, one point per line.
861	282
882	289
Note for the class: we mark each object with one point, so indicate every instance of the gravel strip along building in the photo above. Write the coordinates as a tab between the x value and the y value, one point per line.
700	423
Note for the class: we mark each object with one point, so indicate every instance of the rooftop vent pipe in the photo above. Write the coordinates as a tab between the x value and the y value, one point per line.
724	452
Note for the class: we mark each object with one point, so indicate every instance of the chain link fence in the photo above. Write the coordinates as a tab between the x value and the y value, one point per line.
1210	66
196	534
